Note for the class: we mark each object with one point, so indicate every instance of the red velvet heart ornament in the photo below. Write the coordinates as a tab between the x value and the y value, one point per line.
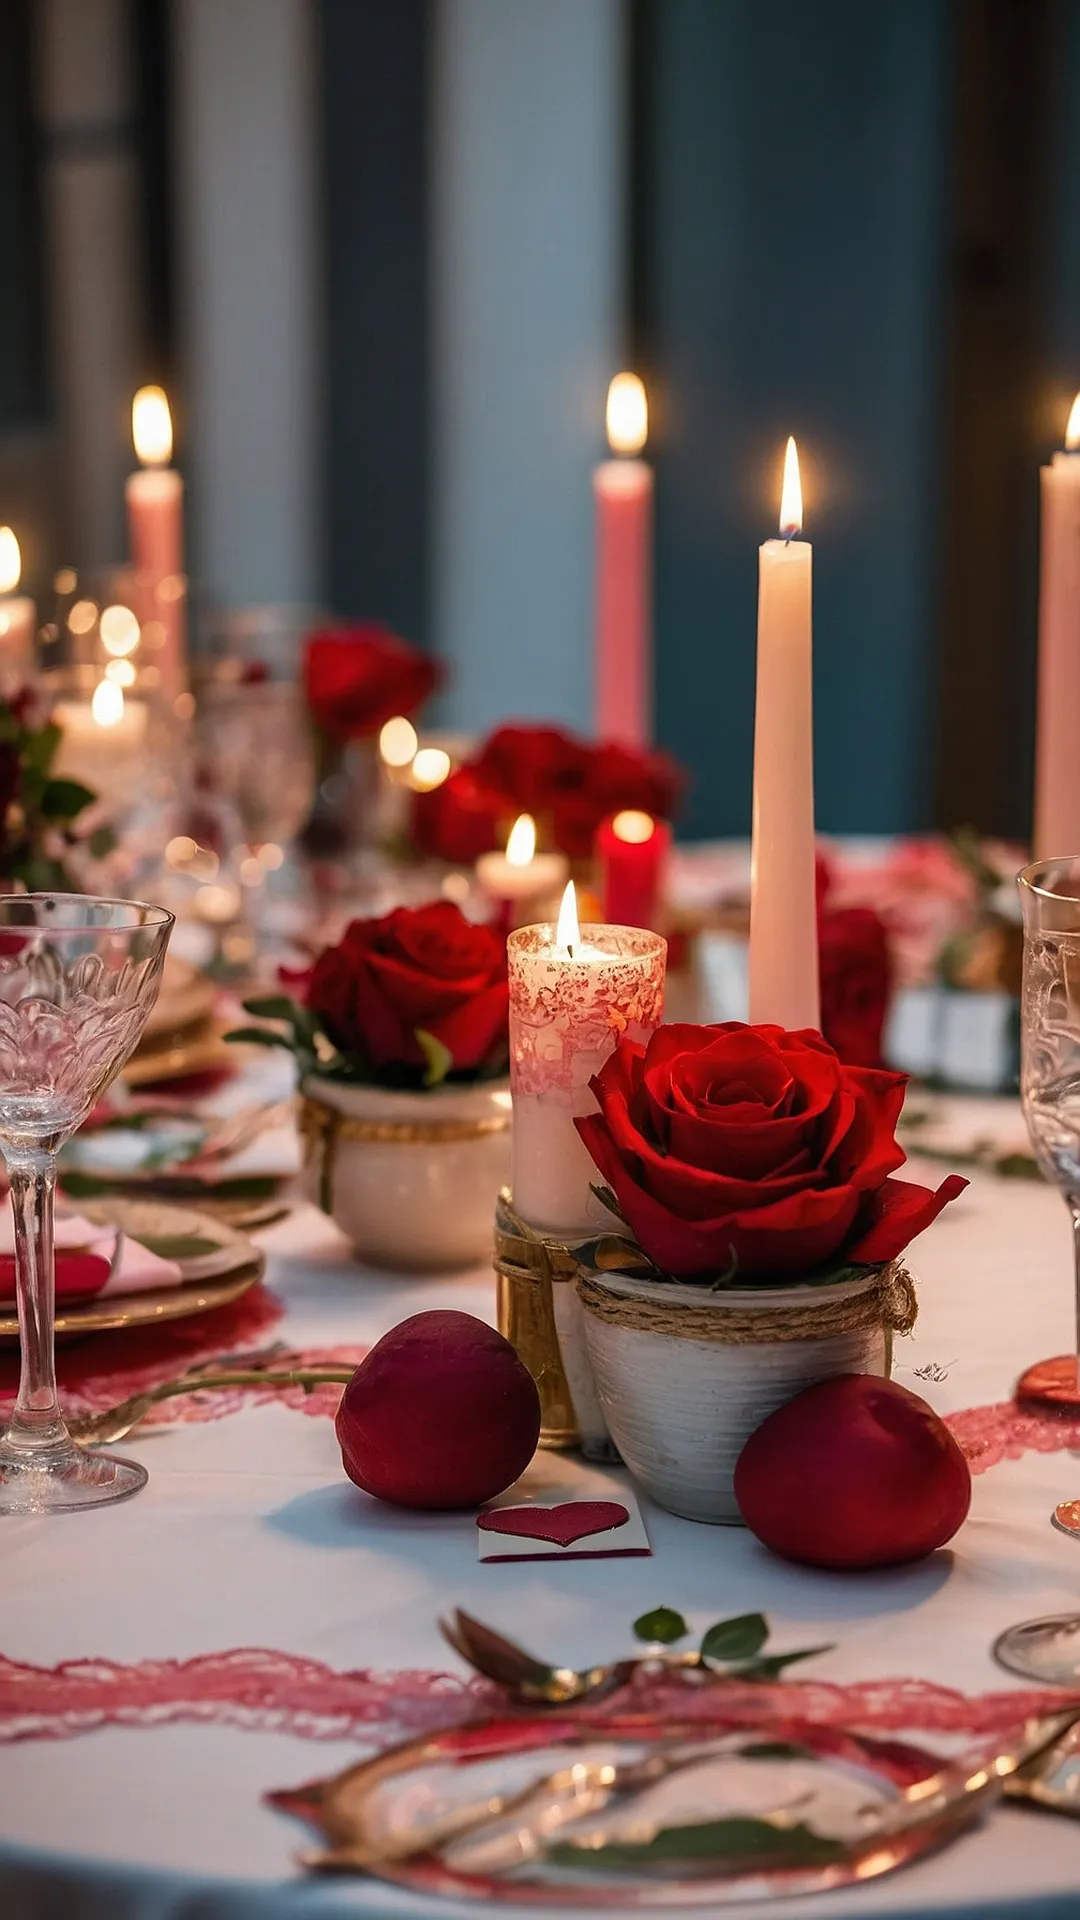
563	1526
78	1275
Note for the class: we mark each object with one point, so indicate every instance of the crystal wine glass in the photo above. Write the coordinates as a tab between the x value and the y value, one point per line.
1049	1650
78	977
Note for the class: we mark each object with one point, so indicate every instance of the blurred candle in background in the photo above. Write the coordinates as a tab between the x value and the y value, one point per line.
520	876
17	619
1057	748
783	907
154	498
623	488
631	853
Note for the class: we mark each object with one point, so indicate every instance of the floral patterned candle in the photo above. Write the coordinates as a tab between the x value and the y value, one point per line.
573	993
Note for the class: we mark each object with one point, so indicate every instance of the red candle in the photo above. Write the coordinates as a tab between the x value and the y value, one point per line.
631	852
155	513
624	492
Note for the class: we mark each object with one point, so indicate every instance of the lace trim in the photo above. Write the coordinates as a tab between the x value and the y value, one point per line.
1006	1431
266	1691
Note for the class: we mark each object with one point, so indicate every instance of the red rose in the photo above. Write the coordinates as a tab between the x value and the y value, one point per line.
532	766
616	778
419	967
856	977
755	1149
357	678
459	820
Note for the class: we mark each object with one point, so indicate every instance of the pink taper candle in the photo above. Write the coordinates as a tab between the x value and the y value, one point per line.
624	495
1057	751
783	907
155	512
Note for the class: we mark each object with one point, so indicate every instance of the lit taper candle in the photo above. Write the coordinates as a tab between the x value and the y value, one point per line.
623	487
783	909
1057	748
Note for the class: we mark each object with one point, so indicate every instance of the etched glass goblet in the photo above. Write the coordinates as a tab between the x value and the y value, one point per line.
78	977
1049	1649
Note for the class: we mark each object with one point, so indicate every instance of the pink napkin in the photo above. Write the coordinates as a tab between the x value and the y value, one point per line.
89	1261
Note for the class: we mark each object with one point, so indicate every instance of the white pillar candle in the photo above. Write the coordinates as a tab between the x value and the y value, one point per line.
573	993
18	619
1057	753
623	490
783	907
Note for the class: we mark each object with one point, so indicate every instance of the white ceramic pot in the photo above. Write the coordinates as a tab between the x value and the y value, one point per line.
410	1178
680	1409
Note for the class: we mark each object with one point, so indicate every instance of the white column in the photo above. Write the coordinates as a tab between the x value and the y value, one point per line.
90	184
528	202
247	192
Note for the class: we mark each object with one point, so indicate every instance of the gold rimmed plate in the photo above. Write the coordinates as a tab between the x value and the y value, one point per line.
218	1265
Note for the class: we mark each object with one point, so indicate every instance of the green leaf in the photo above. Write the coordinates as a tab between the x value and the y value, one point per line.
101	842
738	1639
39	748
259	1037
272	1006
179	1246
439	1058
662	1624
771	1665
737	1838
63	799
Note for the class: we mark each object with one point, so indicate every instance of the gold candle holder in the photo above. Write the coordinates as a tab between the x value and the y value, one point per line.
526	1267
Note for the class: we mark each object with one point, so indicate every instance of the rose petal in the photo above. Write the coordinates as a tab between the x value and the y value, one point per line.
898	1211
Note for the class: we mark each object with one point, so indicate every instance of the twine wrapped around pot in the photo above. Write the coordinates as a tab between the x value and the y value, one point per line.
889	1302
322	1127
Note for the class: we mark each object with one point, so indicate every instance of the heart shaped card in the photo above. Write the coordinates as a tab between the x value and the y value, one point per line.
576	1528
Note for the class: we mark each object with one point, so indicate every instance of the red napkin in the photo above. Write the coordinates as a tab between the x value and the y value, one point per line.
78	1275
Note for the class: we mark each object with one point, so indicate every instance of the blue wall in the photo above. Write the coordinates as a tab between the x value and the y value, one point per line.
794	180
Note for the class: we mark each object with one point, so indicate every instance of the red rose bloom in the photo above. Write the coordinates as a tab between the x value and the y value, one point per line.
357	678
571	784
459	820
533	766
419	967
856	977
754	1149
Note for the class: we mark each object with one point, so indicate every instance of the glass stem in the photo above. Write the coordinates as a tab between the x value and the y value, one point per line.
36	1421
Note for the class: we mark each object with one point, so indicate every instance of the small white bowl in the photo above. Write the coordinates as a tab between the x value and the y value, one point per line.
410	1178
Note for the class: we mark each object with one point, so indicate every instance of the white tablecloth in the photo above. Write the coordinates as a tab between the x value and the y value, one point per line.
249	1536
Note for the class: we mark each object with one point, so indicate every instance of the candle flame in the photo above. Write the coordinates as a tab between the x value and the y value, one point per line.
430	768
10	561
627	414
567	932
151	427
521	845
107	705
633	827
120	631
1072	430
398	742
791	493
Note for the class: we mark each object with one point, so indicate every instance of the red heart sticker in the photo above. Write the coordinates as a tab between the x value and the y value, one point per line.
575	1520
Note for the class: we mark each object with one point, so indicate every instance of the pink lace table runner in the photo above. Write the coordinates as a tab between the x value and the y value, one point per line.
267	1691
104	1369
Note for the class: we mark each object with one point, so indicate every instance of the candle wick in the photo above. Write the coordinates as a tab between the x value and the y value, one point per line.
789	535
569	950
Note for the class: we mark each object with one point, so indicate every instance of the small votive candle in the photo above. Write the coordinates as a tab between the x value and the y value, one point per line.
571	999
